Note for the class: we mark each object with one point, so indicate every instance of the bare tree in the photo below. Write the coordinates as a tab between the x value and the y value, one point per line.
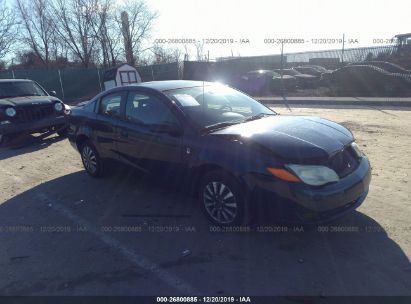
86	32
135	20
200	55
107	33
177	55
38	30
75	23
165	55
7	29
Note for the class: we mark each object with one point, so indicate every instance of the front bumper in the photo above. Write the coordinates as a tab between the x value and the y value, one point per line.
11	131
298	202
33	126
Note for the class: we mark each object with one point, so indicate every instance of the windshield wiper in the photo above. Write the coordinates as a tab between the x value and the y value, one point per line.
221	125
234	122
258	116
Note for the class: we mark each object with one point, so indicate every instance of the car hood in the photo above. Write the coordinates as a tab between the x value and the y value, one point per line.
298	138
27	100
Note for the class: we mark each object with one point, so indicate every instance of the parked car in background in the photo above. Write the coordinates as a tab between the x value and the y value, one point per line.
26	108
314	70
387	66
319	68
368	80
265	82
303	80
234	152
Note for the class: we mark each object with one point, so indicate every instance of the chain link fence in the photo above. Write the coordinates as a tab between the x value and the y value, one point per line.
331	59
69	84
77	84
166	71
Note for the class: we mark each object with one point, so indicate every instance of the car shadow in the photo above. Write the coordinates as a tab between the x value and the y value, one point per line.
353	256
28	144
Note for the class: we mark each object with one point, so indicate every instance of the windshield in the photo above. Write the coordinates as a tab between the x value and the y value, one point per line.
20	88
210	105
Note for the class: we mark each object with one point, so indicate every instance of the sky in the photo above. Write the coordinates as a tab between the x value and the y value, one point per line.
307	21
255	24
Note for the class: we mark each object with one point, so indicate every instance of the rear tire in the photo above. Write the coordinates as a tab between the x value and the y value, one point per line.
91	160
221	199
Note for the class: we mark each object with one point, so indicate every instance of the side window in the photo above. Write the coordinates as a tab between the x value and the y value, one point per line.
110	105
148	109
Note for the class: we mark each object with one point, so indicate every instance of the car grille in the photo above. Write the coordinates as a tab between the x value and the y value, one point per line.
344	162
27	114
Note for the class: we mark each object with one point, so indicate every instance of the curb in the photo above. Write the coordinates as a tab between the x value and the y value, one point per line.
337	101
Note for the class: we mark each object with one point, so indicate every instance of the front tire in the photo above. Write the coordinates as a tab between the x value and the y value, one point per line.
221	199
63	132
91	159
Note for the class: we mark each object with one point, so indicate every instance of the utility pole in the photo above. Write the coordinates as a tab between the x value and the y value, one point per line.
128	47
283	93
342	52
282	67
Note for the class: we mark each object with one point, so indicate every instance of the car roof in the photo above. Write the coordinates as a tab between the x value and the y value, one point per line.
368	66
385	63
166	85
260	71
14	80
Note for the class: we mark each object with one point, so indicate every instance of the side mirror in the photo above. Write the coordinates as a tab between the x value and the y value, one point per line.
171	129
53	93
112	112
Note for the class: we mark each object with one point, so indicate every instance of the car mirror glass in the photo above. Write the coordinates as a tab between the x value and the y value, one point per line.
111	112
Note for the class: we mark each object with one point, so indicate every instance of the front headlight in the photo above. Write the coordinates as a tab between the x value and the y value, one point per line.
357	150
58	106
10	112
314	175
67	109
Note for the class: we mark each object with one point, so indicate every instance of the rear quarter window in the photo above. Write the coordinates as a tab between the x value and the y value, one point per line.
90	106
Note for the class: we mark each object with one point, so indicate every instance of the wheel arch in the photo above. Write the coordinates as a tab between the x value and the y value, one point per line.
80	139
202	170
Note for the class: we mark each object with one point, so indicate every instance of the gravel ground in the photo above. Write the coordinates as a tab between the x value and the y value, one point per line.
64	233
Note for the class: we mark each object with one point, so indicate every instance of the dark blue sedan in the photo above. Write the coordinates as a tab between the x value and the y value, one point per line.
236	153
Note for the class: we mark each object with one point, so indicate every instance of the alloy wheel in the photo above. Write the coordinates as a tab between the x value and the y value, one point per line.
89	159
220	202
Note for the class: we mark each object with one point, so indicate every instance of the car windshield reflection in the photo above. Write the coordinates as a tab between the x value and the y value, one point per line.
212	105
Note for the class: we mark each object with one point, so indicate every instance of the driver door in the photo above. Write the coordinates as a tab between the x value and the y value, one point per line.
142	142
105	124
